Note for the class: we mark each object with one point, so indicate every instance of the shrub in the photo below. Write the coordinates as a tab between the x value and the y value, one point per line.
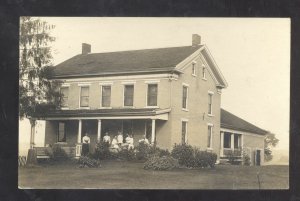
142	151
232	157
126	154
246	159
58	153
184	153
161	163
102	152
85	161
204	158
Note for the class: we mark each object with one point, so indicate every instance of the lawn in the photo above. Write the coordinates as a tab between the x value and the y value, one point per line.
130	175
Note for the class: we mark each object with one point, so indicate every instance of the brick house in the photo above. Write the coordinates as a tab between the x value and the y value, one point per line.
170	95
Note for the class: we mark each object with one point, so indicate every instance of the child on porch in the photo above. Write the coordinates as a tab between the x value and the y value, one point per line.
106	138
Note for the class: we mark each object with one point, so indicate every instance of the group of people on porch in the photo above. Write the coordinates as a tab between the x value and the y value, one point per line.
116	143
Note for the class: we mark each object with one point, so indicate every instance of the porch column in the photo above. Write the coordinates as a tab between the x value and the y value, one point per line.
99	131
32	134
232	141
222	144
79	131
153	132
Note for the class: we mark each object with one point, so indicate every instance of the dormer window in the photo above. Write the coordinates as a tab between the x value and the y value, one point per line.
194	70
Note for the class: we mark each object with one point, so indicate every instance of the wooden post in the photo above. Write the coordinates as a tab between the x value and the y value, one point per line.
232	141
153	132
222	144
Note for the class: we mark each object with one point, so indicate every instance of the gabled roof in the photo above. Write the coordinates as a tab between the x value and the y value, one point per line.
230	121
134	61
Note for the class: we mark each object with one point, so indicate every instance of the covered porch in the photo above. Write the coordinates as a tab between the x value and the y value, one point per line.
231	144
66	128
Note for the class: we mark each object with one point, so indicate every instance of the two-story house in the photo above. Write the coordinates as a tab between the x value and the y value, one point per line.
170	95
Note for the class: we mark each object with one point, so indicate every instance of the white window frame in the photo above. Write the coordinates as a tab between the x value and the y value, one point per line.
210	94
83	85
209	125
186	121
131	83
204	70
187	97
194	68
101	89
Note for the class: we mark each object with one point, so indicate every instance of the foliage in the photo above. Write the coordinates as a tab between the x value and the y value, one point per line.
85	161
270	142
58	153
246	159
233	157
126	154
204	158
144	151
161	163
193	157
37	93
184	153
102	152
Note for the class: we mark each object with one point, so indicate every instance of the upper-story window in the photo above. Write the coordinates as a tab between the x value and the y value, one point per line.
64	91
194	69
209	136
106	96
184	97
61	135
128	95
210	102
84	96
203	72
152	95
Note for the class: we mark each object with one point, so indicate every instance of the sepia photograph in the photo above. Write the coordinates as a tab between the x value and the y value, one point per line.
154	103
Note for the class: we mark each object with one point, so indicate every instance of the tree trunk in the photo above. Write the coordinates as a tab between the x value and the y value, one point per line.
31	157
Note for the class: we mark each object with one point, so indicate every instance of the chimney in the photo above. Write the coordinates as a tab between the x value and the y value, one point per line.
196	40
86	48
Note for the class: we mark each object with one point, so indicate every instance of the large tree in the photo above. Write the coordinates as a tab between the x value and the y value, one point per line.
37	94
270	142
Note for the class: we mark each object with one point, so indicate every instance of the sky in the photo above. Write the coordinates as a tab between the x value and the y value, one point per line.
253	54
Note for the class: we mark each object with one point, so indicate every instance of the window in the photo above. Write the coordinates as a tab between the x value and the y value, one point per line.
106	96
194	68
61	132
84	96
152	95
203	72
237	141
184	97
184	132
128	95
64	91
209	136
227	140
210	97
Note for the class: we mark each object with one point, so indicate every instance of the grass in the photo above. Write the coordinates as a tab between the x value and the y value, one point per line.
131	175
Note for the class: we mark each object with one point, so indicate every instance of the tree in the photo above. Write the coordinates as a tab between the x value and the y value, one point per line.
37	93
270	142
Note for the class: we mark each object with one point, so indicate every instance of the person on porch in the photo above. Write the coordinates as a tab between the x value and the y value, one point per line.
144	140
114	144
106	138
130	142
86	144
120	138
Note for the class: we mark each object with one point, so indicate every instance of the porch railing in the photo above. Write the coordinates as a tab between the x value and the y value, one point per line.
236	152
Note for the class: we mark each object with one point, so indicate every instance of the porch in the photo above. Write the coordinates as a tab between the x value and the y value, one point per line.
67	131
231	145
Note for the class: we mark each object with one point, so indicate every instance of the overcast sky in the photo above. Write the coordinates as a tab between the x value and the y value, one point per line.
252	53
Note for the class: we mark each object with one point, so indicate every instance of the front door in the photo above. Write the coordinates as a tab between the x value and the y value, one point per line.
257	158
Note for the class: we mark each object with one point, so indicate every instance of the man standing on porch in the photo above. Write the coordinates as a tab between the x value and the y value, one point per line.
120	138
86	144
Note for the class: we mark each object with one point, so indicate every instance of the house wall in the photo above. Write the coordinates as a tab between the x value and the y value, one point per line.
197	114
117	92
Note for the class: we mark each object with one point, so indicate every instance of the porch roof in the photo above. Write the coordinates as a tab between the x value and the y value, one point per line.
99	113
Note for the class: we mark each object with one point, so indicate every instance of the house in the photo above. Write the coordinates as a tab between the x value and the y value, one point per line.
170	95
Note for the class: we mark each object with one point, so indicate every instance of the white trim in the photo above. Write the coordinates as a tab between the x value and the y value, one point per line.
187	97
65	85
152	81
211	92
210	124
154	107
185	84
79	106
106	83
194	68
184	119
120	77
241	132
84	84
203	71
64	108
128	82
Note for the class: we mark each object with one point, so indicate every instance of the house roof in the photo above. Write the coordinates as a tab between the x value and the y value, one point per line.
134	61
105	112
230	121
